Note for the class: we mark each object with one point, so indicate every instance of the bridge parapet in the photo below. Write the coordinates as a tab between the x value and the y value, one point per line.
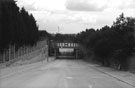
64	49
67	45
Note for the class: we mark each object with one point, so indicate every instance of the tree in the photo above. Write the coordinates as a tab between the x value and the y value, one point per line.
115	43
17	27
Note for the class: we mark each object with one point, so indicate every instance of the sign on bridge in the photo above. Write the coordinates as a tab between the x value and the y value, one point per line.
73	45
64	50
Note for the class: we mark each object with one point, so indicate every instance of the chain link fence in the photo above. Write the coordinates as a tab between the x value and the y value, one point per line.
12	54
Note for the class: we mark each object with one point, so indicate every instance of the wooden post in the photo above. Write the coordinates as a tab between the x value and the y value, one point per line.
14	52
76	55
4	57
9	54
47	51
55	53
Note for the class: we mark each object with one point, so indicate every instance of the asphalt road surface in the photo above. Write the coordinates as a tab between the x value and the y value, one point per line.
62	74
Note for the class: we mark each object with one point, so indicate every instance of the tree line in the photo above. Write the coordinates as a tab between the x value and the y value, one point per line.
110	45
17	26
64	37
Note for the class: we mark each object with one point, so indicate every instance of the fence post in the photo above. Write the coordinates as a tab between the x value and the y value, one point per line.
4	57
46	51
14	51
9	53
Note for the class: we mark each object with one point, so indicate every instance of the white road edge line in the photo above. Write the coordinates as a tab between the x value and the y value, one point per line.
69	77
90	86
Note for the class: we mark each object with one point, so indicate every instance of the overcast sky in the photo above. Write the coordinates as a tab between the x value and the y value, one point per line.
73	16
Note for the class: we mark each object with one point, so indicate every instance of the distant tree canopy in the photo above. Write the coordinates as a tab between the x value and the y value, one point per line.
17	26
65	37
109	42
43	34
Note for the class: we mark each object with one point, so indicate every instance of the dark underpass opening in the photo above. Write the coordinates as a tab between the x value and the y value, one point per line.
65	50
65	53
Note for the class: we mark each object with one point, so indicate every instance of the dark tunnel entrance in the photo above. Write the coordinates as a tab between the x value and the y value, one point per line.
65	50
65	53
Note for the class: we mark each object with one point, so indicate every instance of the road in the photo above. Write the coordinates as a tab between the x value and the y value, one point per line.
62	74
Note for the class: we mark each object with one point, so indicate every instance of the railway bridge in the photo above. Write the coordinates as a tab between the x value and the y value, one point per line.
66	50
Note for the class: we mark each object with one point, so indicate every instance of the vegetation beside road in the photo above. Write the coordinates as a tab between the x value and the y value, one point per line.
17	26
19	32
111	46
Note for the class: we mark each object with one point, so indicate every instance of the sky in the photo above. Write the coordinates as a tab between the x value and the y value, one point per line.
73	16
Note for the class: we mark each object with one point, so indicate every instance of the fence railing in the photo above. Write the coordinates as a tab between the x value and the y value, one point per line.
12	54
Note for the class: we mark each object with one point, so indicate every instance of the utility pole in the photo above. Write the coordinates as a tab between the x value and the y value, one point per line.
58	29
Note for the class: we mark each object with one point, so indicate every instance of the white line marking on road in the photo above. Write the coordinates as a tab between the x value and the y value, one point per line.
69	77
90	86
65	84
